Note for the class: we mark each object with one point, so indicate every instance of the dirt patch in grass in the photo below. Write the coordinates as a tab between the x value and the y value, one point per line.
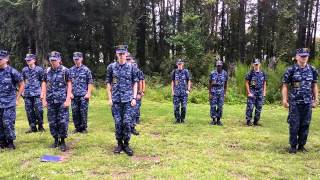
155	159
121	175
70	147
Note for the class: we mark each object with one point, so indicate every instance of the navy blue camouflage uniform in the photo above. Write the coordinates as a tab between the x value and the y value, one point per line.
81	78
136	116
33	78
58	115
9	79
121	79
180	79
256	80
300	82
217	88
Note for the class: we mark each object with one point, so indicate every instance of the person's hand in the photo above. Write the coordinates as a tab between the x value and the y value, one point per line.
142	94
285	104
133	102
138	96
44	103
110	102
188	92
250	95
172	93
67	103
87	96
314	104
72	96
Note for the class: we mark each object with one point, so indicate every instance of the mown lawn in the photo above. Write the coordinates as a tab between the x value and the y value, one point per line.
164	150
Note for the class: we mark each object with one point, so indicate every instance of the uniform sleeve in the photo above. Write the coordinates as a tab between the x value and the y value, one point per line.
68	75
42	74
135	77
141	75
173	75
265	76
109	74
287	76
23	74
189	76
248	76
17	77
227	77
89	77
315	75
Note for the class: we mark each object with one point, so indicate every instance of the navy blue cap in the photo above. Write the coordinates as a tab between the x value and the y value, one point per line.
77	55
30	57
54	56
180	61
219	63
303	52
3	54
121	49
256	61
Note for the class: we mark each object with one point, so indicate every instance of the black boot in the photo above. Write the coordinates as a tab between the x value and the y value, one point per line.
302	149
134	131
177	121
63	146
255	122
293	150
118	149
213	122
3	144
219	123
11	146
55	143
127	149
249	123
31	130
40	128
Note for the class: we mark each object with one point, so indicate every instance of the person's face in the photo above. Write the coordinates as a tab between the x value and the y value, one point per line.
219	67
256	66
180	66
302	59
78	61
55	63
4	61
122	56
31	62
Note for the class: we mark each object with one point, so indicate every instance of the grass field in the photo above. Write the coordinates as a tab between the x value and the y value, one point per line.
164	150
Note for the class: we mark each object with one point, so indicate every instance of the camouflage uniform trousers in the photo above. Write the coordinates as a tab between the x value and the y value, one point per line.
216	105
7	123
257	103
299	119
136	114
80	112
122	115
34	109
180	102
58	117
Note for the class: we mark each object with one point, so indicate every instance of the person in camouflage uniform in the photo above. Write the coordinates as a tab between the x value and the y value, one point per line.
217	90
300	95
33	76
122	85
256	86
56	95
180	88
9	98
82	84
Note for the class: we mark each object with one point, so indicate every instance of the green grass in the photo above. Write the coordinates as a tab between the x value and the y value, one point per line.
165	150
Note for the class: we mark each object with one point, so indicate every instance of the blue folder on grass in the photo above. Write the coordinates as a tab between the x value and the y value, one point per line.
49	158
